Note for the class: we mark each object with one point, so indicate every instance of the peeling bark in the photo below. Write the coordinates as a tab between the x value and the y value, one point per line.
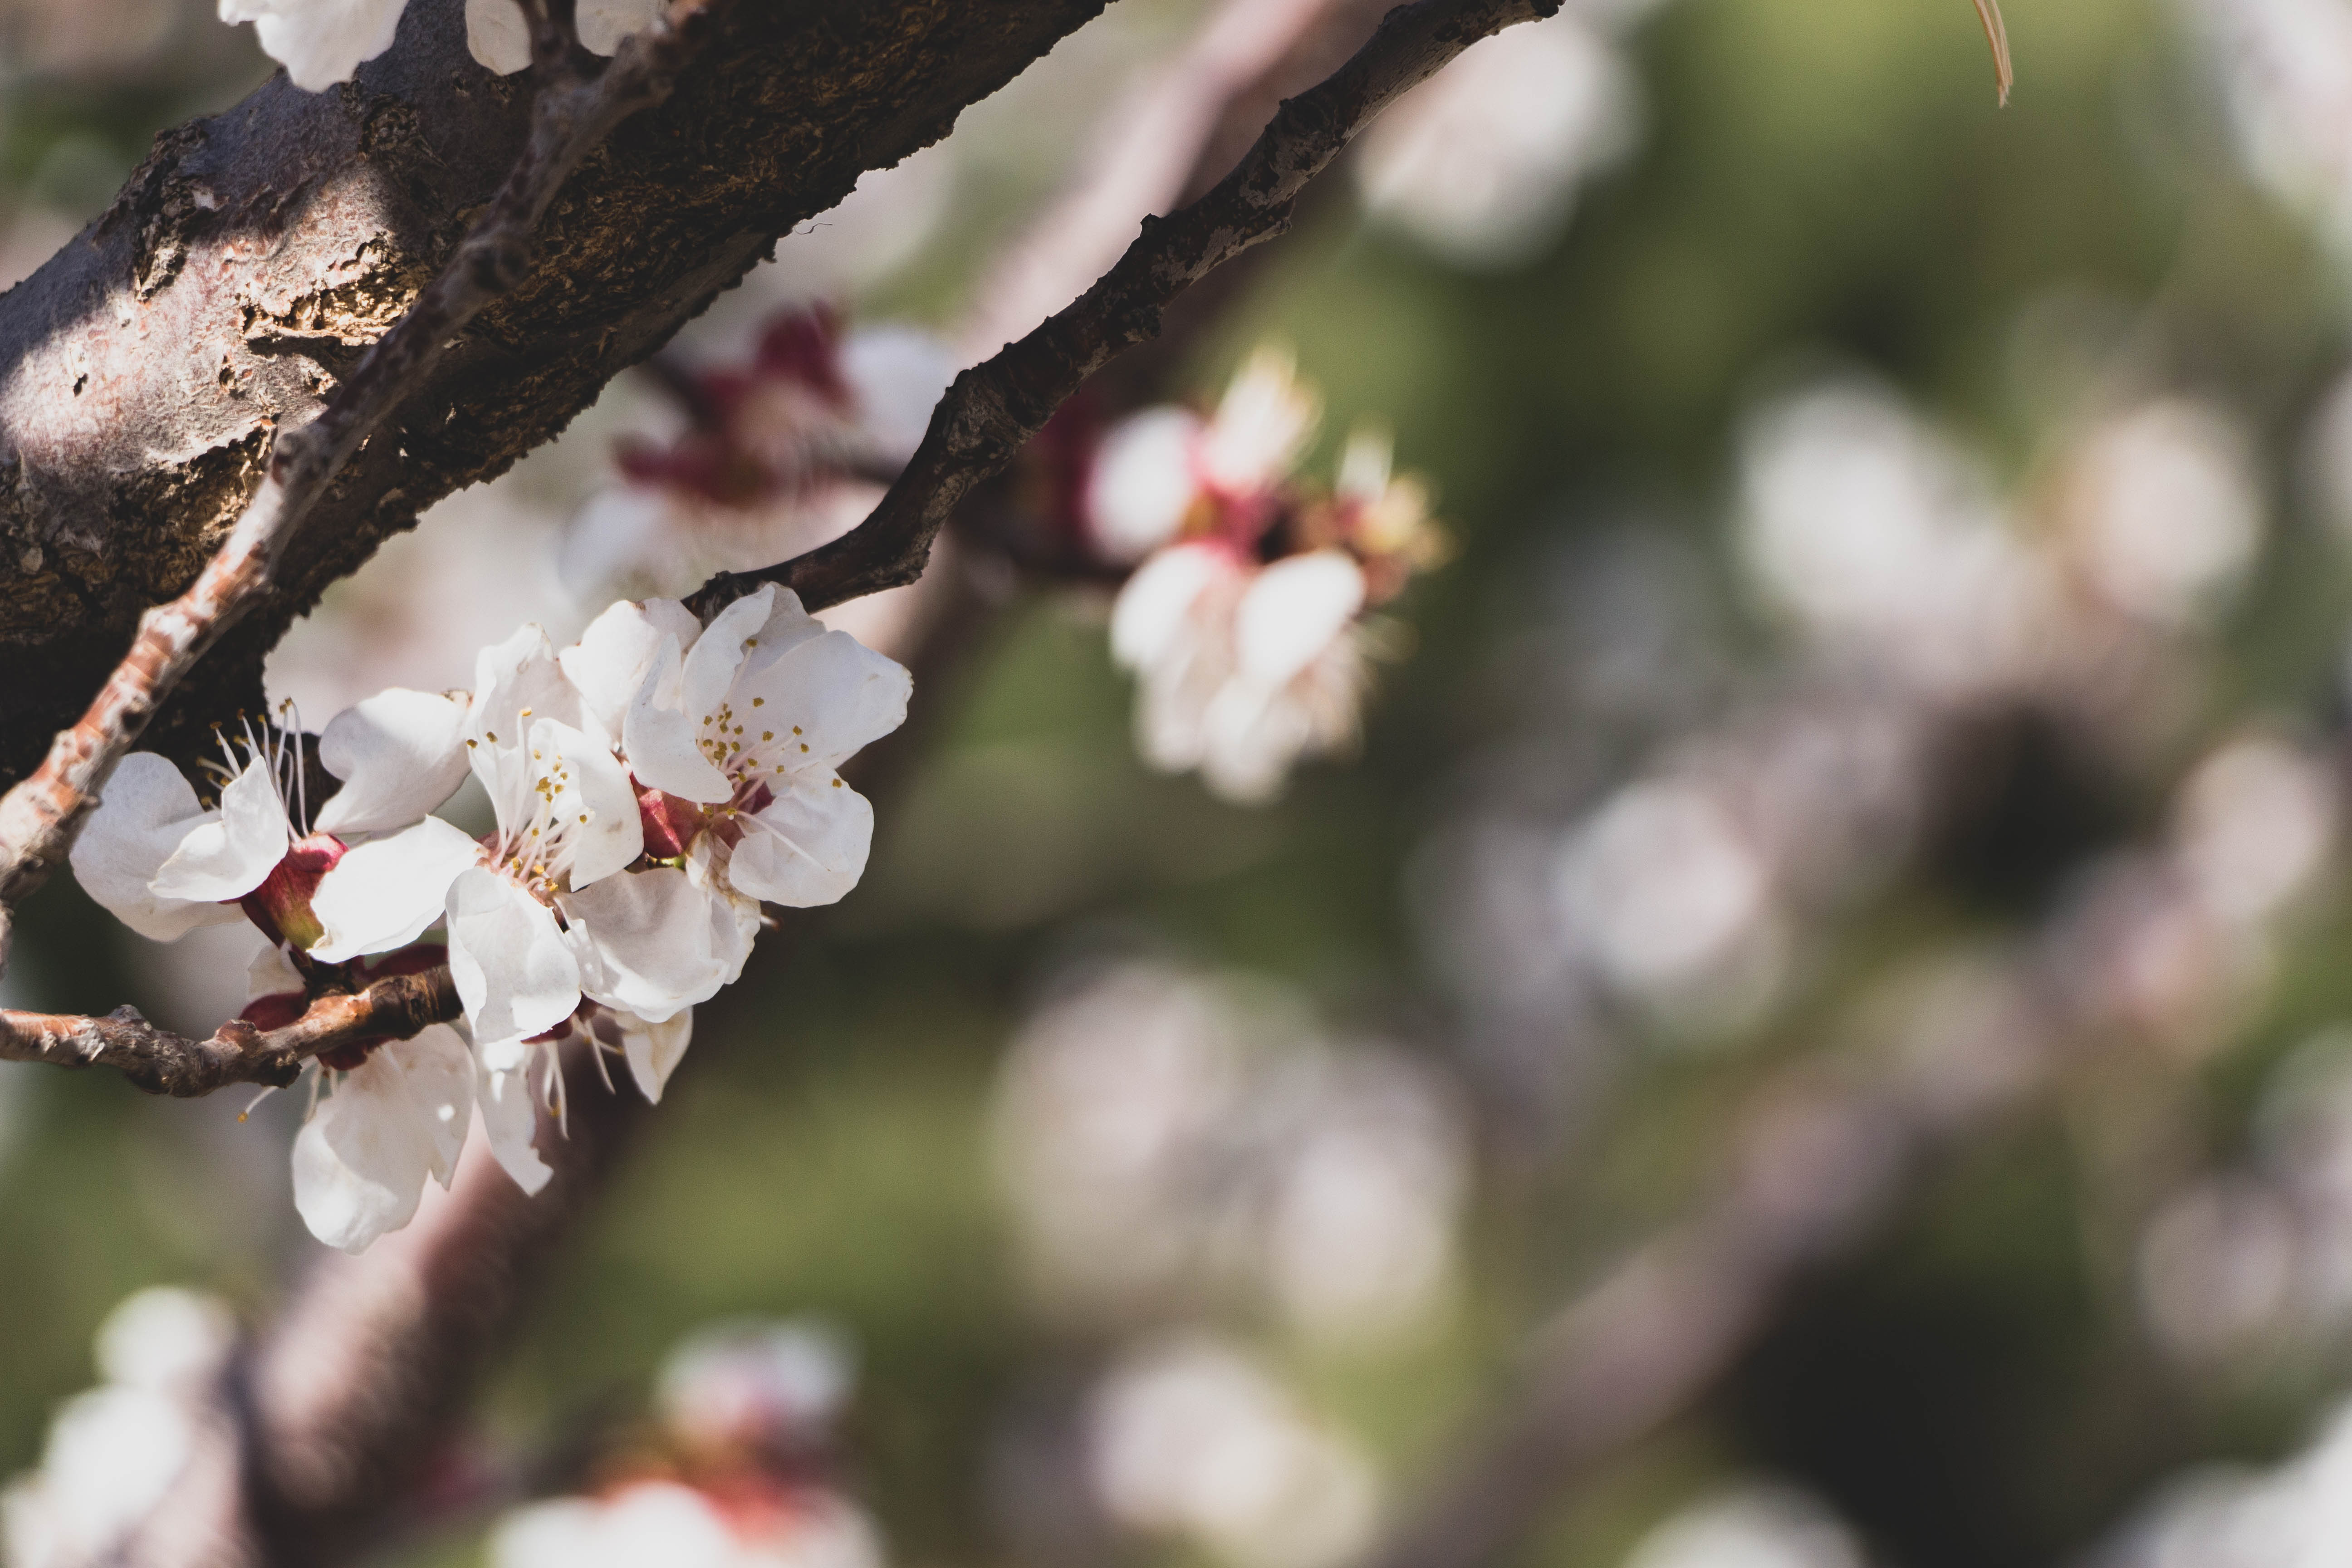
250	259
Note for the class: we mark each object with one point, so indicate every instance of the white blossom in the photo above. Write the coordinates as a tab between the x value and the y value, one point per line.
1756	1527
736	733
360	1160
115	1451
1156	469
650	1521
1190	1436
323	42
1243	669
1481	163
165	863
780	462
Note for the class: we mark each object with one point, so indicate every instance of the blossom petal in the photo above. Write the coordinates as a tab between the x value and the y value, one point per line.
147	809
513	972
229	856
319	42
718	654
272	974
360	1162
650	943
838	692
381	895
497	36
594	803
510	1120
1293	611
1143	483
609	662
807	848
1158	602
518	674
602	24
654	1050
400	753
660	737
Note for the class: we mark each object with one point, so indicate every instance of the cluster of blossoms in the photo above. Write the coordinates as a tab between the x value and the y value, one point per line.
780	453
735	1473
1245	619
323	42
650	786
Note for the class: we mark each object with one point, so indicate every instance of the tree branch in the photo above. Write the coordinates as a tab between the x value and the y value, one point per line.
993	409
161	1062
245	266
40	816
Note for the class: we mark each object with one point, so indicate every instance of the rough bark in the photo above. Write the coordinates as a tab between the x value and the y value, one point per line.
256	253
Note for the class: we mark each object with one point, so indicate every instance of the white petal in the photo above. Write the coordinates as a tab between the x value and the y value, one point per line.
718	654
654	1050
1293	611
272	974
360	1163
808	847
648	943
1142	483
147	809
596	787
659	735
604	23
841	694
229	857
1155	605
496	35
319	42
1263	421
439	1068
897	374
381	895
513	972
510	1120
400	753
788	626
509	676
609	662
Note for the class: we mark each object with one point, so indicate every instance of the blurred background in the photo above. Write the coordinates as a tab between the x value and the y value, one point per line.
1895	646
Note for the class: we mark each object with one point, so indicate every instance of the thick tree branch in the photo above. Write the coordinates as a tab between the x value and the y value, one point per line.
993	409
161	1062
246	267
40	816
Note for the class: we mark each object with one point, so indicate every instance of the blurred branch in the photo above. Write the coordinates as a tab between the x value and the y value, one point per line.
41	815
161	1062
993	409
1180	135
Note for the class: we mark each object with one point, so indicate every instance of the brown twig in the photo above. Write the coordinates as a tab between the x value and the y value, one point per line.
40	816
161	1062
994	408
